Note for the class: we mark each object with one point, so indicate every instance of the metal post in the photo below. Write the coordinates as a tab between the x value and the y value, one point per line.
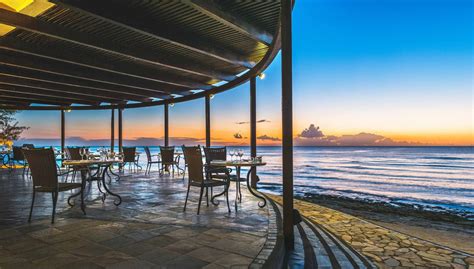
287	122
112	130
63	131
166	125
253	128
208	121
120	129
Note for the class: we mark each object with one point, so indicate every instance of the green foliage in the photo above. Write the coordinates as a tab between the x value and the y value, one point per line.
9	126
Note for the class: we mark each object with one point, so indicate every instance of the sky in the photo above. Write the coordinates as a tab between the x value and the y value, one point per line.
365	72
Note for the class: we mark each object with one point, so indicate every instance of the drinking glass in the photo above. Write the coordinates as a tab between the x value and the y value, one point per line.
241	153
231	153
81	152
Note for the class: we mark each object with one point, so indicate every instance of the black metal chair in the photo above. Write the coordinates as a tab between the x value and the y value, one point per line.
72	154
197	178
19	158
42	163
168	159
150	160
130	158
220	154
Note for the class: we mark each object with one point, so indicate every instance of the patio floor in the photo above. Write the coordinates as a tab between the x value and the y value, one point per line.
148	230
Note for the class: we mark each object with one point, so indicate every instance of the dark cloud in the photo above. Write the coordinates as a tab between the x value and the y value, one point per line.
238	136
311	132
270	138
313	136
248	122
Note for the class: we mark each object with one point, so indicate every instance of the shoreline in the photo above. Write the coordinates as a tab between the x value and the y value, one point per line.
444	228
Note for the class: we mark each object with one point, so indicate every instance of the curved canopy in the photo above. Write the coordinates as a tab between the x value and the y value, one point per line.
89	54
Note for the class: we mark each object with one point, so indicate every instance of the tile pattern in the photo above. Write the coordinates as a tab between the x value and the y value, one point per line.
148	230
386	248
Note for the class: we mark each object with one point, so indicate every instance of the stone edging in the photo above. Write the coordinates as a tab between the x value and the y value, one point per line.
385	247
272	254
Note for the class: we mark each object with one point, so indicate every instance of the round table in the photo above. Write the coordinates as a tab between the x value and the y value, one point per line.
84	165
238	165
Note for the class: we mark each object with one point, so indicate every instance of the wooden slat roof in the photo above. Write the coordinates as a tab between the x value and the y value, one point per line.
90	54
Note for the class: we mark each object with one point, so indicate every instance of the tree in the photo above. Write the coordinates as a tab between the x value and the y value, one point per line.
9	126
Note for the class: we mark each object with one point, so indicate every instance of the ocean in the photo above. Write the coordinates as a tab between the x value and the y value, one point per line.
435	178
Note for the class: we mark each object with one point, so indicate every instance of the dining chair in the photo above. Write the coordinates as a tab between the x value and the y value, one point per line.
150	160
130	158
45	175
72	154
167	159
198	178
19	158
220	154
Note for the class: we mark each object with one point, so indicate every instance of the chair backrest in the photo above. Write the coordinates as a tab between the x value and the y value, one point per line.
148	153
28	146
129	154
215	154
73	154
193	159
167	154
43	168
18	154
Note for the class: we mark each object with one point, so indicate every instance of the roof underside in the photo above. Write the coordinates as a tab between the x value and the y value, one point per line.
108	53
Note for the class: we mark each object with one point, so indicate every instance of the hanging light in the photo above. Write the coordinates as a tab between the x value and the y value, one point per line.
211	96
261	75
68	110
171	104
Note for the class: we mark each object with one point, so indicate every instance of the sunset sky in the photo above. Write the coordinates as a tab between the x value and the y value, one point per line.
399	69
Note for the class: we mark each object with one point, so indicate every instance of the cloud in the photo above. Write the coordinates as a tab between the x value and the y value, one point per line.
238	136
311	132
270	138
313	136
248	122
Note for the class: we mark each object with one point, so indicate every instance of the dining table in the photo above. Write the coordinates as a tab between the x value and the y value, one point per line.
238	164
102	166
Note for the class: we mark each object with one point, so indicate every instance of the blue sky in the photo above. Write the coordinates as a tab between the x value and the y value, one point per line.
402	69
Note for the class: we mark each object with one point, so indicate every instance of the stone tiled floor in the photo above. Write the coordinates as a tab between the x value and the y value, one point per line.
148	230
386	248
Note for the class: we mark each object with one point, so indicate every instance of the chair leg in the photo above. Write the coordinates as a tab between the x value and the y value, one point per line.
32	204
207	197
186	201
55	200
227	197
200	199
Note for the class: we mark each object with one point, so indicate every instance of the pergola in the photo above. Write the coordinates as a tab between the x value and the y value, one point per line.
115	55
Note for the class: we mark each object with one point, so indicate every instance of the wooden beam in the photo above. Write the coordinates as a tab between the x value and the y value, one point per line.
96	87
208	120
66	89
12	104
287	122
70	74
112	130
31	99
123	74
253	128
214	10
120	130
134	21
166	125
15	90
55	31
